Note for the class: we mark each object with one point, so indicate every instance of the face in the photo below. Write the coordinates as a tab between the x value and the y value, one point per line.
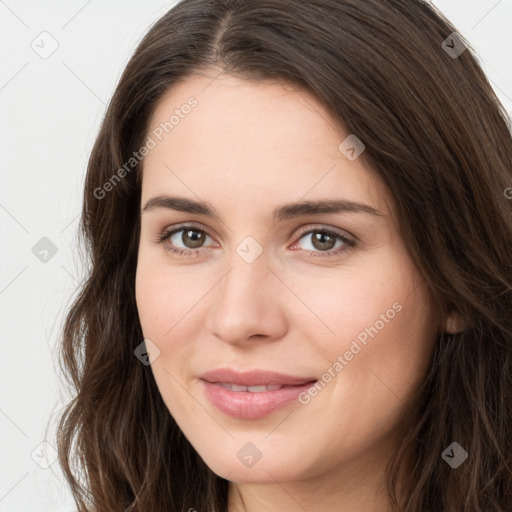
254	282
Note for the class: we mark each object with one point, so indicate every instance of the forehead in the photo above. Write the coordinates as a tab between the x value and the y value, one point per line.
278	113
253	139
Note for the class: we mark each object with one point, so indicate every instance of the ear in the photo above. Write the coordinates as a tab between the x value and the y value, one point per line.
454	323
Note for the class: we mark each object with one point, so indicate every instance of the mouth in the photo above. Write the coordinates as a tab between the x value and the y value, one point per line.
252	395
256	389
253	378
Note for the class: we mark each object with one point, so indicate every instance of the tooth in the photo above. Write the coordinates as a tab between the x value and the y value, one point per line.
225	385
251	389
259	389
256	389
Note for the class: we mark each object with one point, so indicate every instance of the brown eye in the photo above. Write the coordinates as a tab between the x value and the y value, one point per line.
192	238
185	241
324	242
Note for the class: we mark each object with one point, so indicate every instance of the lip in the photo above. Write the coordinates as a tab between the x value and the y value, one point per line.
252	405
253	377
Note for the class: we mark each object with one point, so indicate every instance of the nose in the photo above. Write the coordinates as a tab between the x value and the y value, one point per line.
247	304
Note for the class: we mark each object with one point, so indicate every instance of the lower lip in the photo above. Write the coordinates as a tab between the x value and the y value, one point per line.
252	406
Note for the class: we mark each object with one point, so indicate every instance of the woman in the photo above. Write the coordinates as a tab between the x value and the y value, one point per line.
300	285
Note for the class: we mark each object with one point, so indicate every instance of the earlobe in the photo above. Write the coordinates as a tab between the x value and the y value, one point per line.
454	323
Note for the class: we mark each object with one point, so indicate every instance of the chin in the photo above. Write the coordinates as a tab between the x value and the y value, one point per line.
240	467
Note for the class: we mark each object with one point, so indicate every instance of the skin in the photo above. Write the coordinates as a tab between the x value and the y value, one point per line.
247	148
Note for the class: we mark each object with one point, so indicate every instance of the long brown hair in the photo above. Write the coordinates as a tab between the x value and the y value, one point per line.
437	135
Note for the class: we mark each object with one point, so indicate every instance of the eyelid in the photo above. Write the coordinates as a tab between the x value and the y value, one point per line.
182	226
323	227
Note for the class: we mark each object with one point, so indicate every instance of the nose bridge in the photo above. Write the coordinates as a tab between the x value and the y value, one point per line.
246	280
248	267
244	303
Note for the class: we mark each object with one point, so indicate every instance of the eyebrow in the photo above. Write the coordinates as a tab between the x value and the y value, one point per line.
284	212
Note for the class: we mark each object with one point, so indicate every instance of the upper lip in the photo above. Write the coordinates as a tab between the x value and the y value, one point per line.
253	377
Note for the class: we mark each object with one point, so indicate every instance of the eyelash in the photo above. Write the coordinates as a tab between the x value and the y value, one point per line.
347	243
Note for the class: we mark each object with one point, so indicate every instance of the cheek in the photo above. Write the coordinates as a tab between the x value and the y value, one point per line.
387	350
384	330
163	302
168	303
164	298
346	301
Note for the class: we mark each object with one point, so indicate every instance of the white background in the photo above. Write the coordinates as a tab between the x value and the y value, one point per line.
50	112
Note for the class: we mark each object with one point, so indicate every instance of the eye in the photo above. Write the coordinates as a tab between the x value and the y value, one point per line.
190	236
322	241
321	244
